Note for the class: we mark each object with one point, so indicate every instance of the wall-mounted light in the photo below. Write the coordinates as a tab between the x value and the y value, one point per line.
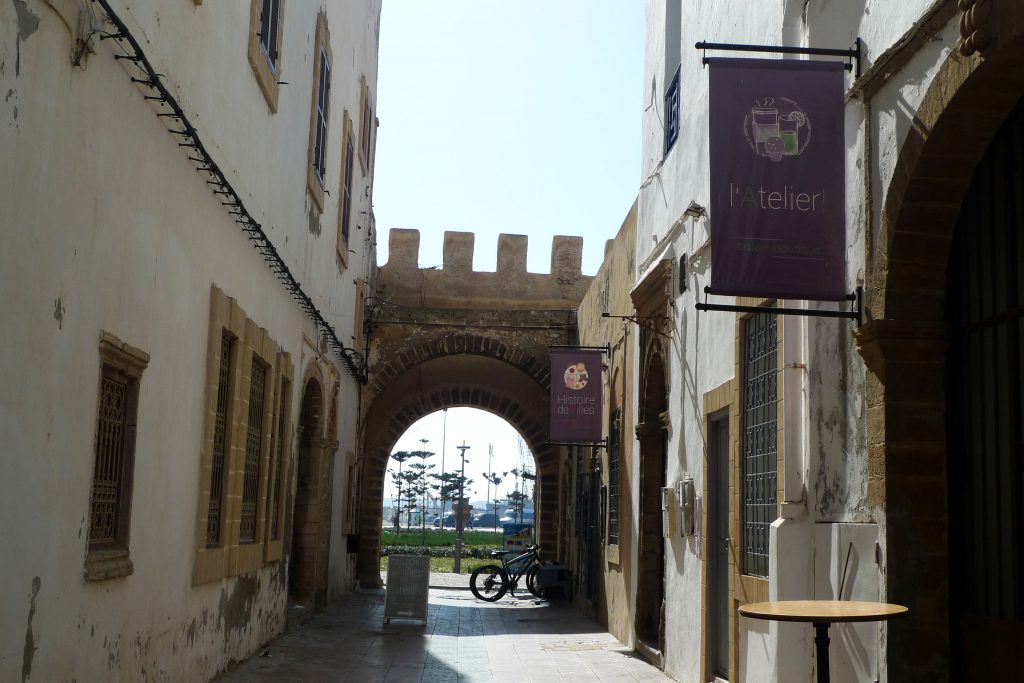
695	210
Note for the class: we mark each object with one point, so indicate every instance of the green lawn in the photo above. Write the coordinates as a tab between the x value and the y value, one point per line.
437	537
447	564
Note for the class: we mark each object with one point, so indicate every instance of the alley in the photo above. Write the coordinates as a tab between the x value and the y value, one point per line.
465	640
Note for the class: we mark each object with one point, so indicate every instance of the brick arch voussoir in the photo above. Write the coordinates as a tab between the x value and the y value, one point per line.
964	106
456	344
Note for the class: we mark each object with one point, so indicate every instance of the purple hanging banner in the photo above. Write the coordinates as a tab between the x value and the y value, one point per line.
576	395
778	160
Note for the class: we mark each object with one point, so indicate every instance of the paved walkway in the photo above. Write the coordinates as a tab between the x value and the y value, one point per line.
465	641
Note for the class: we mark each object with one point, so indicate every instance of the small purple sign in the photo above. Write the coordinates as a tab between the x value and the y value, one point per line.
576	396
777	163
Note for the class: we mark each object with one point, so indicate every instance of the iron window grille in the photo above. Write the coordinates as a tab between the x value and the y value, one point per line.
322	115
346	202
614	440
672	112
270	14
220	444
108	482
253	449
277	464
760	439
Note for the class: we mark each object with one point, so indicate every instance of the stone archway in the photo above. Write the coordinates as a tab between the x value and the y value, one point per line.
447	381
904	344
307	580
652	434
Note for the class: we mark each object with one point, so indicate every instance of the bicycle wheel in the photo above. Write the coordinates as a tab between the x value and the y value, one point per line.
489	582
531	582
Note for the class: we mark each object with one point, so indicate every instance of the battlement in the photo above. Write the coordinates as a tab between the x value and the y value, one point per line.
457	285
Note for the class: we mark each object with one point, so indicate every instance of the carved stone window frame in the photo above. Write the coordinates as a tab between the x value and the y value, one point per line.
267	75
111	560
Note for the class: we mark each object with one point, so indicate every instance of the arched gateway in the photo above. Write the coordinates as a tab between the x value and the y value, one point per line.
455	337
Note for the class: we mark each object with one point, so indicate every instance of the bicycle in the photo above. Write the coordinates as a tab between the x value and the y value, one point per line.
490	582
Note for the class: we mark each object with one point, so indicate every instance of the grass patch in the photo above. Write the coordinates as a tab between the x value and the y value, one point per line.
447	564
439	537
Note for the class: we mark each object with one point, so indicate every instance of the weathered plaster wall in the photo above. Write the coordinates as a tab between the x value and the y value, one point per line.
107	226
609	293
827	466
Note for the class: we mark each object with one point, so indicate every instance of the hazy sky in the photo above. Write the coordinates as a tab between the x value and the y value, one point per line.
501	116
505	117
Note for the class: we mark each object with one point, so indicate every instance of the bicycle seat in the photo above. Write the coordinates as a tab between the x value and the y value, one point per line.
500	553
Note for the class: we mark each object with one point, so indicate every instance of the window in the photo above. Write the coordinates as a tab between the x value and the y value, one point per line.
614	452
110	498
759	439
672	112
673	43
270	12
253	450
366	127
345	209
245	446
320	112
265	38
221	444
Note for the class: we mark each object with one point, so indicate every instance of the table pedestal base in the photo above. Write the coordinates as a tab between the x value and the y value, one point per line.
821	642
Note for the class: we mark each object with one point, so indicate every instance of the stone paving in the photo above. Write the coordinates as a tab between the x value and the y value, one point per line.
464	641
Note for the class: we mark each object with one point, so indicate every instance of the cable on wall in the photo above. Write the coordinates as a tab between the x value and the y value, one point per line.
179	126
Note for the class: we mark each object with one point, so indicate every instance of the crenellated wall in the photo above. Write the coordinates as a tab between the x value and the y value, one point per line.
456	285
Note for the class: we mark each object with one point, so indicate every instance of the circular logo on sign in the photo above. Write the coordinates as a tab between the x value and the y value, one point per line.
777	128
575	376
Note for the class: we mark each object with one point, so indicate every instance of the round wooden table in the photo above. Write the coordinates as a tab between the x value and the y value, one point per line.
822	613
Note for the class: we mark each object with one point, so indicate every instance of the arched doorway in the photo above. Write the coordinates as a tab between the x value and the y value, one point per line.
985	415
652	432
445	381
307	573
908	345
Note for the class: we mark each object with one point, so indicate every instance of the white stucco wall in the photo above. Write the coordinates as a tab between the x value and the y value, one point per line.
825	479
107	226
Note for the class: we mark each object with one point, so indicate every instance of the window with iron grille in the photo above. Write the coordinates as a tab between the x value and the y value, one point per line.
253	449
214	516
270	14
760	439
108	481
672	112
346	206
110	494
613	476
322	114
276	467
365	128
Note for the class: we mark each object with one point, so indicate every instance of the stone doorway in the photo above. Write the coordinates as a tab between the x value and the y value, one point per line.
652	432
307	565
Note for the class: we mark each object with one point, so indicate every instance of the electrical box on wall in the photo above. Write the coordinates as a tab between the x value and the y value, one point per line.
687	498
666	512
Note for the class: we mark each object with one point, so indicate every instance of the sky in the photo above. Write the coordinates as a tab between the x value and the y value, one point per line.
483	432
504	117
508	117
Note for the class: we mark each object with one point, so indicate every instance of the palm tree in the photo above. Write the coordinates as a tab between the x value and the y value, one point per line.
495	479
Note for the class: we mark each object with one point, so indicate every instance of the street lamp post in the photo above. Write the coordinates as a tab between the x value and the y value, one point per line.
462	510
423	479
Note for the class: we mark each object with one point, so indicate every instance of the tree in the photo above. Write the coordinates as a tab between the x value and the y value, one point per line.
418	485
448	484
398	478
495	479
516	501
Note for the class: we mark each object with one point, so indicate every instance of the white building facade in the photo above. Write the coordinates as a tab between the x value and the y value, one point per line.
817	447
187	228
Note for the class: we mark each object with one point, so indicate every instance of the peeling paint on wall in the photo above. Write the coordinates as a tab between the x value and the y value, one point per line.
29	652
235	610
28	23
